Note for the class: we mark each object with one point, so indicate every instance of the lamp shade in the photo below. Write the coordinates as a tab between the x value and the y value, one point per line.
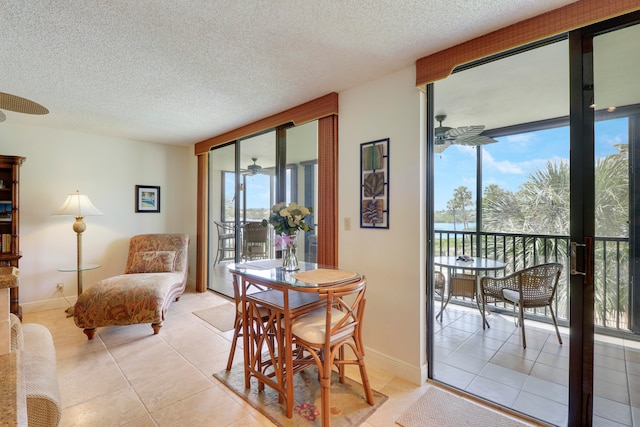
77	205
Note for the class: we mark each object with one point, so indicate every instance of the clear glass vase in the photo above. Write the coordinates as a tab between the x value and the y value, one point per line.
289	252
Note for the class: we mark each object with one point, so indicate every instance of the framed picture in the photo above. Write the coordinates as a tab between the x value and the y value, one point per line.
6	211
374	184
147	198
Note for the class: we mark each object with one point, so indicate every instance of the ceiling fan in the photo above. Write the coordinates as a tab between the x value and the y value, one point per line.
465	135
255	169
19	105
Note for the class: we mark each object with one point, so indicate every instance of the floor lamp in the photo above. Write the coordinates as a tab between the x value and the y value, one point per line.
79	206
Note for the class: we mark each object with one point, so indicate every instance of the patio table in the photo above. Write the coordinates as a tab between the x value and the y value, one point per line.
466	285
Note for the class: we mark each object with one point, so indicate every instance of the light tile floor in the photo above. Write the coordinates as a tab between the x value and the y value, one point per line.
126	376
492	364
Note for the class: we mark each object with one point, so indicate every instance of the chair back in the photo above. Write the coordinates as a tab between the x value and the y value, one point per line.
254	242
538	283
344	309
159	243
224	230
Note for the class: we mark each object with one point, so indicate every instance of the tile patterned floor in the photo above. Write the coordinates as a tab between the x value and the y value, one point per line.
493	365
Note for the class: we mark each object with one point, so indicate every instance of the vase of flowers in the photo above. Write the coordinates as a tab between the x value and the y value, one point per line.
288	221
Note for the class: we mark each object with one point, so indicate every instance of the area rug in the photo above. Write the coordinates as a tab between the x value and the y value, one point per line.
440	408
220	317
349	407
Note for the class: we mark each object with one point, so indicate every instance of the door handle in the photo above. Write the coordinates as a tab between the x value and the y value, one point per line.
588	249
574	258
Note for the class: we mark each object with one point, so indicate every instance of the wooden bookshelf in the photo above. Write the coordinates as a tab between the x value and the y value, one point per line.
10	221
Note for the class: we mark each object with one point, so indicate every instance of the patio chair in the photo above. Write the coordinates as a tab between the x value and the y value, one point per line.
226	241
255	241
532	287
439	284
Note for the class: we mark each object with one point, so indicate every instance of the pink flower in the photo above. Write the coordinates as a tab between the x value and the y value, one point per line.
284	241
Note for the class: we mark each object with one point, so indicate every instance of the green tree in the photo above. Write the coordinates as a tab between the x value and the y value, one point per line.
452	208
461	200
541	206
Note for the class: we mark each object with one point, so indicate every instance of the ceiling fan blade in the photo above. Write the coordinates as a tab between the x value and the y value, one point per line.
439	148
465	130
20	105
475	140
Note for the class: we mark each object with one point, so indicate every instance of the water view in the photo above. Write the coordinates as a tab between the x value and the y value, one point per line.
450	226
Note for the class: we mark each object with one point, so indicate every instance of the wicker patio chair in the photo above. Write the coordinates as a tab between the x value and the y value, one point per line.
439	284
532	287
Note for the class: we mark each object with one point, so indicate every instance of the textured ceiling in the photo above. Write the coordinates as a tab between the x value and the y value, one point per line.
180	71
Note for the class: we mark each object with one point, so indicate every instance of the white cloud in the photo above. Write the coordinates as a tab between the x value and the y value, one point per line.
522	138
504	166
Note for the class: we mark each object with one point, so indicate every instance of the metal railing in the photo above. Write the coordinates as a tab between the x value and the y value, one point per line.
519	251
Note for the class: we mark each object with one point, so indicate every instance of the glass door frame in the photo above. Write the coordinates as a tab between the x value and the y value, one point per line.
582	216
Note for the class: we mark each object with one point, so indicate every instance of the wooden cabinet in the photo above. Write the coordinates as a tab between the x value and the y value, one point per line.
10	220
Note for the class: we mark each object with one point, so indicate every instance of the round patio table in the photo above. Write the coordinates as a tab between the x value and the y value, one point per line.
463	284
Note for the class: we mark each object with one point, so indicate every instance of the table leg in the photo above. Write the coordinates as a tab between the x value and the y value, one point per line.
288	353
245	332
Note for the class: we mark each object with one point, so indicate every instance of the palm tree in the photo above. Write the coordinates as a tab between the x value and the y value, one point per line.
461	200
541	207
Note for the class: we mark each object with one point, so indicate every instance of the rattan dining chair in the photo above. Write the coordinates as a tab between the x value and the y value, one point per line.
262	316
321	335
531	287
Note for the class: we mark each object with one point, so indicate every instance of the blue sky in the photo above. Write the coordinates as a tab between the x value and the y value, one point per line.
509	162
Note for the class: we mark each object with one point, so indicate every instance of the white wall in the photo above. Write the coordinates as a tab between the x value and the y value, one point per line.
59	162
393	259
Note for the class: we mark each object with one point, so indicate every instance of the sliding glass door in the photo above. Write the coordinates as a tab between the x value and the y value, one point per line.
552	180
610	336
246	178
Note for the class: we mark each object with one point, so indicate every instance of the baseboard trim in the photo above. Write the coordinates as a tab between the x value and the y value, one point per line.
411	373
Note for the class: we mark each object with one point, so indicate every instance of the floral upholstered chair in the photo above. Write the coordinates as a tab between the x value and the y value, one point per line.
155	276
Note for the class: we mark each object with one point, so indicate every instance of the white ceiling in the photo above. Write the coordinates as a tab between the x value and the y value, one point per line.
180	71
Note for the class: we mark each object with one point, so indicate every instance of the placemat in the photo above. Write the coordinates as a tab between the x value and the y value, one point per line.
323	276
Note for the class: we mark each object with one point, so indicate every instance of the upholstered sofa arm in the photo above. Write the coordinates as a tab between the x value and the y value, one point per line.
38	358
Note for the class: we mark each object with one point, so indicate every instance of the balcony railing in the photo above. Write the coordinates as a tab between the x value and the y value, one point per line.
519	251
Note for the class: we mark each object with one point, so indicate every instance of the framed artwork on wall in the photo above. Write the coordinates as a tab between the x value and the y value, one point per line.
147	198
374	184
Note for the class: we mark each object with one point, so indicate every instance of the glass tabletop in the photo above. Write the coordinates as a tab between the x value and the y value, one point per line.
309	274
474	263
82	268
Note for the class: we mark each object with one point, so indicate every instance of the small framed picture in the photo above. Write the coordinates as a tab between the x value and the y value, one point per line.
6	211
147	198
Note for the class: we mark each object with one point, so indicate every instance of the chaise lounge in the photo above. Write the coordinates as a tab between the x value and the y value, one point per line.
155	276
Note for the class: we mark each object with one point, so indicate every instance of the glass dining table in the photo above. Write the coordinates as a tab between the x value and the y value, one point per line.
265	286
462	284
